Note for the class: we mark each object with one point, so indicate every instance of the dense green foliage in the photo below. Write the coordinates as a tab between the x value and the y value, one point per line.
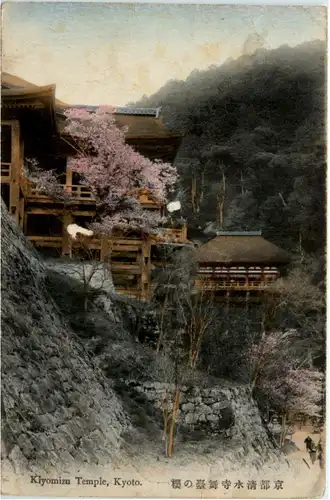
254	142
253	157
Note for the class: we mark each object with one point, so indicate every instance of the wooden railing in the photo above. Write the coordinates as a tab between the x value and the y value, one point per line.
206	284
5	172
78	192
179	234
46	241
118	267
173	235
132	292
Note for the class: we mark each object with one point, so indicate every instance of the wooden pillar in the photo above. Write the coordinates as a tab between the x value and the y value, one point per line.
20	179
227	301
106	248
66	238
21	212
262	277
15	170
247	297
145	268
184	233
68	180
25	223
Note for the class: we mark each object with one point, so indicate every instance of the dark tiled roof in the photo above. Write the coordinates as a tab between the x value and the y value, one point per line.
124	110
241	248
144	126
238	233
138	126
141	123
11	81
12	85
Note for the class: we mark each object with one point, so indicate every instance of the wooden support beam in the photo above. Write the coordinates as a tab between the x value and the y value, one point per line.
57	211
21	195
46	241
184	233
68	180
44	211
66	239
21	212
15	170
87	213
21	170
145	265
106	247
127	241
120	268
25	223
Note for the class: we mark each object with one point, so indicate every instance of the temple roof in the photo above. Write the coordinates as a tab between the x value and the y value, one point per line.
120	110
145	127
140	122
14	86
27	97
241	247
138	126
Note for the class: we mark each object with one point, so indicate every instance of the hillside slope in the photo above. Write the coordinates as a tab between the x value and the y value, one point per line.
253	153
57	406
79	397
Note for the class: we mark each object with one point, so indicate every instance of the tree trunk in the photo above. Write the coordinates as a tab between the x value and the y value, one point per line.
176	403
242	183
161	333
85	300
193	192
165	416
85	280
283	433
301	251
221	200
201	196
254	381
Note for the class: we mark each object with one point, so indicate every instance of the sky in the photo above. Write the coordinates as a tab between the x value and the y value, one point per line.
115	53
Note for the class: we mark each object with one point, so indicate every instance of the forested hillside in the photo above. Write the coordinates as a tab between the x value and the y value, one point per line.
253	153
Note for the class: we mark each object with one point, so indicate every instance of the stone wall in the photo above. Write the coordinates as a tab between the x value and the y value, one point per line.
57	407
100	274
226	410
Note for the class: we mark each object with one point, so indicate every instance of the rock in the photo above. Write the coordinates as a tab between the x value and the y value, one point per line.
60	442
220	405
202	408
188	407
18	460
212	418
25	445
189	418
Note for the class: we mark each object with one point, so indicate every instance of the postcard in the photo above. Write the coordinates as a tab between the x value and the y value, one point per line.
163	172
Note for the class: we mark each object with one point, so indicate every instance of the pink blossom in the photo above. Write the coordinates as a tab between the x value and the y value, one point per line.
277	374
112	168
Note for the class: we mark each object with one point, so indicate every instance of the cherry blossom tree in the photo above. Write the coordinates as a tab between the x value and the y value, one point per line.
112	170
45	181
278	376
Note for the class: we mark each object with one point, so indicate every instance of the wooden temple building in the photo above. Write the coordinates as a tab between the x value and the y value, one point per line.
32	126
232	265
239	265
